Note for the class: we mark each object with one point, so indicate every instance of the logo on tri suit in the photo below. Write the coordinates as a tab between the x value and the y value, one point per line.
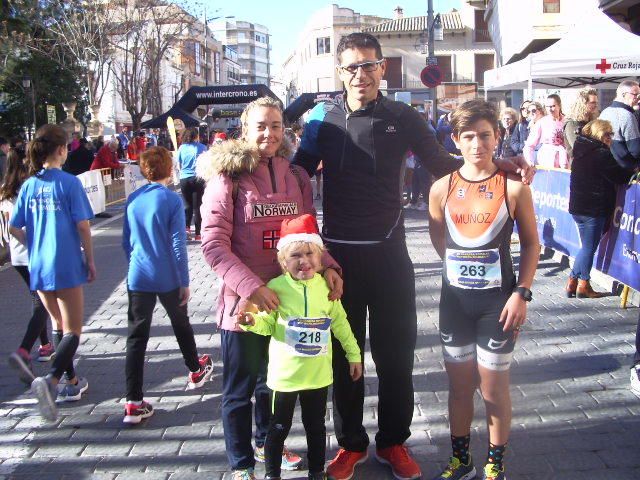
446	337
495	345
391	129
460	193
261	210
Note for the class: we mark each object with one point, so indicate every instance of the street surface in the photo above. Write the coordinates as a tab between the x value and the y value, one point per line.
573	414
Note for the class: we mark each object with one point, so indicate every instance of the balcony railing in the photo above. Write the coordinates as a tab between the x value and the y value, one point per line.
482	35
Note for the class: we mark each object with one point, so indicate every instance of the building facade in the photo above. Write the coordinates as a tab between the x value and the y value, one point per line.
251	43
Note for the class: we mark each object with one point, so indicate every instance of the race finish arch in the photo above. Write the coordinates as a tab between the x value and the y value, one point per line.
226	95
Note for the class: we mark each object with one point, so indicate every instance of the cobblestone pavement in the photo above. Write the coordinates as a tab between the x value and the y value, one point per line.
573	414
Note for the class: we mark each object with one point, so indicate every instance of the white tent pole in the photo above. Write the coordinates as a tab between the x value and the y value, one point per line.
530	88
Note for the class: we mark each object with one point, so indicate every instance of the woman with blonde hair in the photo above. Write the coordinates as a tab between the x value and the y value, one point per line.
251	188
583	110
594	176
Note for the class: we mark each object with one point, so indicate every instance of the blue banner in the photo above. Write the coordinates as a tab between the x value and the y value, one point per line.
618	254
556	228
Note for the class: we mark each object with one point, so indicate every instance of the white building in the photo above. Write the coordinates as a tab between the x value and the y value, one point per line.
251	42
465	53
311	65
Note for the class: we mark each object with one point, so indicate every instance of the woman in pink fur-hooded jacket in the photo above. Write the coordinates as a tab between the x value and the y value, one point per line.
251	188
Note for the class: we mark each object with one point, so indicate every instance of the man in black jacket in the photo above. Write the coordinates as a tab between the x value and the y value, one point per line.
362	140
80	160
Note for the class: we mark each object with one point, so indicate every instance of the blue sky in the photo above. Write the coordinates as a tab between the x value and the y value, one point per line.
286	21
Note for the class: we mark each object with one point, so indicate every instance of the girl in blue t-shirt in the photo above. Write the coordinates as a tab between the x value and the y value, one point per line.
53	208
191	186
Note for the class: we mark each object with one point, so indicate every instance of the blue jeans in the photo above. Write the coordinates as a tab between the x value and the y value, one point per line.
244	375
590	230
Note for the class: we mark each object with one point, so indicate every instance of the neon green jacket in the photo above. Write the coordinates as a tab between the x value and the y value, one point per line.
300	347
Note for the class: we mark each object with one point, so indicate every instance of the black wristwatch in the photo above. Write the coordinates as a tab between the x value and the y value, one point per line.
524	292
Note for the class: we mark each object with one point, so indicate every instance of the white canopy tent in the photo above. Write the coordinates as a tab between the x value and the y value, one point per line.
596	52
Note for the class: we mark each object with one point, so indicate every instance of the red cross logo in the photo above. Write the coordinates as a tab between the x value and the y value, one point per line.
603	65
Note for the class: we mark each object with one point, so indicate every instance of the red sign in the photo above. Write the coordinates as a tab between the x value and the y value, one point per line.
431	76
603	65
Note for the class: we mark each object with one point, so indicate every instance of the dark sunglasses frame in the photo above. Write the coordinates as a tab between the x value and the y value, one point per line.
366	67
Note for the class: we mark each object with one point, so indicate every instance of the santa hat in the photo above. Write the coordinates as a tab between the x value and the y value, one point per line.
300	229
220	135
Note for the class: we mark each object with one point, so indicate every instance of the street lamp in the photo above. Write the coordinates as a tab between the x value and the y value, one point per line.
26	84
436	33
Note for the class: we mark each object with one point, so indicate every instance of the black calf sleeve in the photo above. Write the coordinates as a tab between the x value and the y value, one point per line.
65	350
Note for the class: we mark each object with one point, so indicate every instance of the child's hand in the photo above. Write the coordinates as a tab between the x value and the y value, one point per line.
245	319
355	370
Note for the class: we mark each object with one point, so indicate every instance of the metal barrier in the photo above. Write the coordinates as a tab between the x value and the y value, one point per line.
113	180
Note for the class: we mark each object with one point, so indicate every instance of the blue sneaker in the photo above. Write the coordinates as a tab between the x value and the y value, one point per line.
456	470
73	393
46	392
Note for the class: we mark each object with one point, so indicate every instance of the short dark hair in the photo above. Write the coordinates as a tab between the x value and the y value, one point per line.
156	163
470	112
359	40
190	135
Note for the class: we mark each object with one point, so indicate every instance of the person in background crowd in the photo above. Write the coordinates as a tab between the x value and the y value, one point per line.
592	196
132	150
79	160
75	142
443	132
107	156
191	186
141	142
408	179
508	125
218	138
98	143
54	209
318	176
625	147
155	245
304	296
20	360
152	138
583	110
296	128
123	138
626	132
242	176
362	139
545	144
4	150
521	131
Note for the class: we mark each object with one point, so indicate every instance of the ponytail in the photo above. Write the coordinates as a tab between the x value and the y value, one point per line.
47	140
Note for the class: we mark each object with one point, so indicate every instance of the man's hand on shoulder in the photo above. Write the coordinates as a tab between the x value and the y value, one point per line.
519	166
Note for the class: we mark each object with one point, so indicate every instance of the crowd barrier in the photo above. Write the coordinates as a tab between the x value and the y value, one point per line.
108	186
618	254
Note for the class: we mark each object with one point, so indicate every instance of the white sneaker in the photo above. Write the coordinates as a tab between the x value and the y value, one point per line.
635	379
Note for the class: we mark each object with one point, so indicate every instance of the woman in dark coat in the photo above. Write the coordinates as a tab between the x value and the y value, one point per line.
594	176
521	132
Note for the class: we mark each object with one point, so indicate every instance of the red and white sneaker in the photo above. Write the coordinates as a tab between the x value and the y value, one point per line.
46	352
134	414
197	379
344	464
402	465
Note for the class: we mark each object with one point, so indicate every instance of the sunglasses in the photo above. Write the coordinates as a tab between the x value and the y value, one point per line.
532	110
366	67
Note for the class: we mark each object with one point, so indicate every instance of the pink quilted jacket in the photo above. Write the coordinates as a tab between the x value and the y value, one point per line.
239	238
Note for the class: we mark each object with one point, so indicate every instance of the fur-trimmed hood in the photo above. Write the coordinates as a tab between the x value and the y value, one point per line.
233	157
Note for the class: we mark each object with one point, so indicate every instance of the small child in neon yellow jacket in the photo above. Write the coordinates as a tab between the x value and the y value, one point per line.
300	350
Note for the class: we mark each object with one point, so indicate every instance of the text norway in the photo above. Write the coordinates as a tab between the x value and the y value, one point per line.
275	209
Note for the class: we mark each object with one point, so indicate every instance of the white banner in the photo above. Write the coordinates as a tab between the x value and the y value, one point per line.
133	179
93	186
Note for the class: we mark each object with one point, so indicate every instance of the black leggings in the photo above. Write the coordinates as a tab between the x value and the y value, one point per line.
37	326
141	305
192	189
313	404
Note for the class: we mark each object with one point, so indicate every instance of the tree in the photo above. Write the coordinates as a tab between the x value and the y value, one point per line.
147	33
